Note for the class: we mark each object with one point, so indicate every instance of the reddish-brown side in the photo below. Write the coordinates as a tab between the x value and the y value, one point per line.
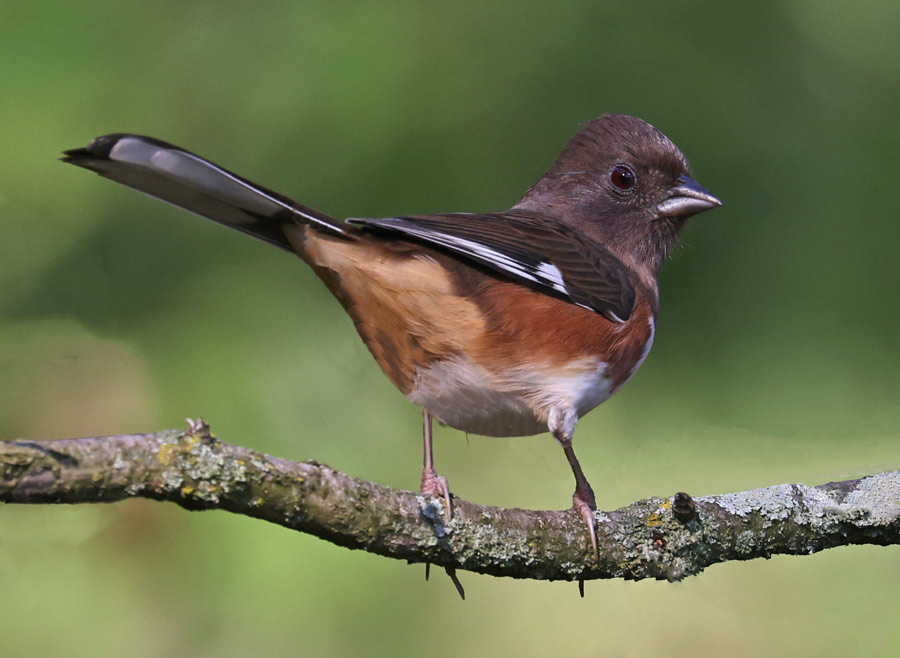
413	306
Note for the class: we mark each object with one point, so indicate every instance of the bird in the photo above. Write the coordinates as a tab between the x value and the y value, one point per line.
508	323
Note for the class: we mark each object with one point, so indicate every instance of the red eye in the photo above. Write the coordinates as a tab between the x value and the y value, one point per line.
622	177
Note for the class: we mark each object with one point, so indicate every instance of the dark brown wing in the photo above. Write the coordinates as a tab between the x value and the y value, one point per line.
529	248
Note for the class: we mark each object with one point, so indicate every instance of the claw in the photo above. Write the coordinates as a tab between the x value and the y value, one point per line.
451	572
459	588
585	506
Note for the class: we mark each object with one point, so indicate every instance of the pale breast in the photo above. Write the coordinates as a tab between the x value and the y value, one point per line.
515	402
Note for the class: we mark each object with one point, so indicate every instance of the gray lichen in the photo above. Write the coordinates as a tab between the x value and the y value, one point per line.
663	538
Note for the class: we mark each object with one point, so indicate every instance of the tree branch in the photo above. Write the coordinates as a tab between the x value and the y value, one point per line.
663	538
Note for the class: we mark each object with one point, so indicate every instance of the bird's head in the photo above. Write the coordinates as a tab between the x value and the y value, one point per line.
623	182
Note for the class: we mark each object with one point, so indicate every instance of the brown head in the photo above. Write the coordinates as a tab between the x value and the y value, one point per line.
623	182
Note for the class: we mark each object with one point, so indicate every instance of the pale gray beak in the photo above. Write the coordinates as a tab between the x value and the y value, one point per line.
687	198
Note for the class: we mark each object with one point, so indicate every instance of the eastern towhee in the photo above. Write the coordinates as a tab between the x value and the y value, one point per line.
502	324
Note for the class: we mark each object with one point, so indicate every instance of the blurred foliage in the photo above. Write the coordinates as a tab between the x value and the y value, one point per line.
776	358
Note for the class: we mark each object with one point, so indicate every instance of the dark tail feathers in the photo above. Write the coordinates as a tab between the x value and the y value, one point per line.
183	179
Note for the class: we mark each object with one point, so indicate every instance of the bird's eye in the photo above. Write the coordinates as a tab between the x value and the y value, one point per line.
622	177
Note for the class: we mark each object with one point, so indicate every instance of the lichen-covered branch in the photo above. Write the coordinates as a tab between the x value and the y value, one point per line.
665	538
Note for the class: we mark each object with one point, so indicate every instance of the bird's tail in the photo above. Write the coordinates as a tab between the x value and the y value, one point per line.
185	180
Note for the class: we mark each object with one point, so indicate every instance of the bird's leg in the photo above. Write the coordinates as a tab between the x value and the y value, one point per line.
432	483
583	499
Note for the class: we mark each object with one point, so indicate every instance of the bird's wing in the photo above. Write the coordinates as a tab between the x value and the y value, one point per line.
528	248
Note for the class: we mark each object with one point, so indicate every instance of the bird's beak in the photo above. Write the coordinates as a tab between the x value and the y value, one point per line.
687	198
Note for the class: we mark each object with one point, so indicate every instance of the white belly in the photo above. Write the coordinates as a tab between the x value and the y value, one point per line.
466	396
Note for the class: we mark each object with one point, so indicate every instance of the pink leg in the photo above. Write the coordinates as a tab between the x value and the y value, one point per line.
434	484
583	499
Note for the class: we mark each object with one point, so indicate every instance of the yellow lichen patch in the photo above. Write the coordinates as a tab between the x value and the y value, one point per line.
666	504
166	453
187	490
654	520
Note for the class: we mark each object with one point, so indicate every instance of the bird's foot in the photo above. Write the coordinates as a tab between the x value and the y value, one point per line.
584	503
436	485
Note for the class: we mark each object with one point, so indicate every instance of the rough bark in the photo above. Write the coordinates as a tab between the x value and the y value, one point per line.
663	538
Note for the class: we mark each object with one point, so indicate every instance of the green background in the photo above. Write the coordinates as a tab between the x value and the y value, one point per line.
777	349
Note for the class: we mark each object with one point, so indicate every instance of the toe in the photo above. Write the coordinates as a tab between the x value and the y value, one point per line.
586	510
436	485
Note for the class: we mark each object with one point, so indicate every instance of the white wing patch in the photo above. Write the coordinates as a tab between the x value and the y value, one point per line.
553	276
544	272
